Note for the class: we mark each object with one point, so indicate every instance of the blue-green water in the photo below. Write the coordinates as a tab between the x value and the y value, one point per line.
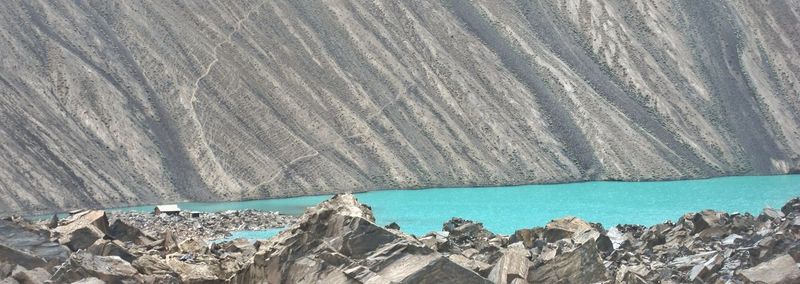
505	209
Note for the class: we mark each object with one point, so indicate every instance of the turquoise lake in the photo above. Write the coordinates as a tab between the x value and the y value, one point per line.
505	209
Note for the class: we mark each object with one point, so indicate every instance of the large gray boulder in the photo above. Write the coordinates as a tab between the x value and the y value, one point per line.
707	219
29	247
110	269
105	247
338	242
565	228
125	232
782	270
512	267
33	276
581	265
81	230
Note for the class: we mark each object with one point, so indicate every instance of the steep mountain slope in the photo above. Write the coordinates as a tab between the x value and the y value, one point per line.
108	103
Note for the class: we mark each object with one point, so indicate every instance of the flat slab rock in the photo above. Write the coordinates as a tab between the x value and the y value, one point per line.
29	248
782	270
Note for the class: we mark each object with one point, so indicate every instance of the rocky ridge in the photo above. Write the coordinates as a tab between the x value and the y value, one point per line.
338	241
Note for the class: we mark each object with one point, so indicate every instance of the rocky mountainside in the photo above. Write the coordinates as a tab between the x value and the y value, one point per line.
108	103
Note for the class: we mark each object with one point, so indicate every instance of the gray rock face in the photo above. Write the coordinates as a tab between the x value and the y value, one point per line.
83	229
512	267
104	247
110	269
124	232
338	242
781	270
581	265
565	228
111	103
29	247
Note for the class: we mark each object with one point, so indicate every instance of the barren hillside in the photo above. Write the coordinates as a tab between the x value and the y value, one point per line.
108	103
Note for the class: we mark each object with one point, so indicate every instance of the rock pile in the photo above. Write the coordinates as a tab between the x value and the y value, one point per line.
339	242
86	248
702	247
207	225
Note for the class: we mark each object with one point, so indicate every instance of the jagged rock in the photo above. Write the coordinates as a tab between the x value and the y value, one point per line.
703	270
526	236
512	267
90	280
124	232
792	206
549	251
195	272
708	219
103	247
393	226
619	239
170	242
111	269
338	242
6	269
581	265
193	245
53	223
732	240
741	223
714	233
603	242
632	275
29	248
769	214
239	245
685	263
150	265
437	242
466	232
81	230
33	276
564	228
779	270
480	267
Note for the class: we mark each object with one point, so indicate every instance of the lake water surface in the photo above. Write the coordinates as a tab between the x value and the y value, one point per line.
505	209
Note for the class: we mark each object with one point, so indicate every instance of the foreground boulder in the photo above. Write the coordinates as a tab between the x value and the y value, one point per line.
110	269
581	265
29	248
779	270
512	267
338	242
103	247
124	232
565	228
33	276
82	229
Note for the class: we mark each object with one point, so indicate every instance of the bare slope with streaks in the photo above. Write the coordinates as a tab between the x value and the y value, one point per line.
110	103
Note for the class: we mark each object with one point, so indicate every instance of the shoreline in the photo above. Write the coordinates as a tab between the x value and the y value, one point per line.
47	214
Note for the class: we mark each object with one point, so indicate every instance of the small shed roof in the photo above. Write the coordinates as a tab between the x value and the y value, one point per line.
168	208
